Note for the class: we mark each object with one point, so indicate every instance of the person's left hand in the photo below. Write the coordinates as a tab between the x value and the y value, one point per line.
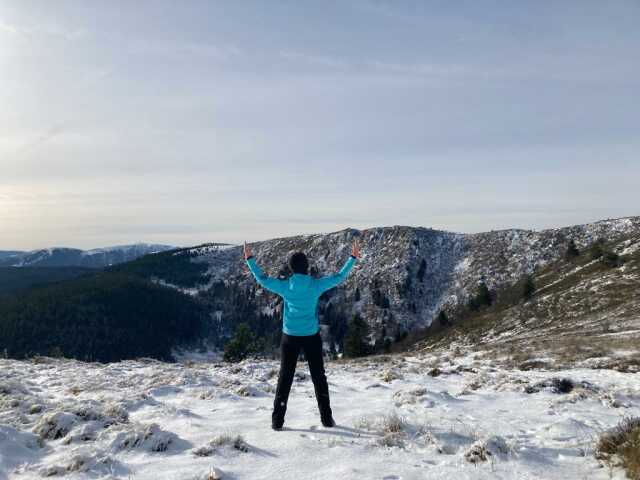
355	248
247	251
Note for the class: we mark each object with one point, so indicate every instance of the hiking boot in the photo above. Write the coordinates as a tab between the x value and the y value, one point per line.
327	421
277	417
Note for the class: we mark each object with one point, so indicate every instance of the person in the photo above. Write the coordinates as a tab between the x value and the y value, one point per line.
300	327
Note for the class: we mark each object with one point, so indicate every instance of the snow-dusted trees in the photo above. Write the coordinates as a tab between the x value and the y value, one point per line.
599	251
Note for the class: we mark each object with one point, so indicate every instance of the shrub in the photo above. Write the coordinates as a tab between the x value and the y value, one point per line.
572	251
227	439
392	423
232	440
563	385
621	445
611	259
599	251
355	340
243	344
596	249
390	375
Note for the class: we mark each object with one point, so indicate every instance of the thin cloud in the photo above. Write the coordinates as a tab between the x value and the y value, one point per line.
9	28
210	51
42	139
69	34
315	60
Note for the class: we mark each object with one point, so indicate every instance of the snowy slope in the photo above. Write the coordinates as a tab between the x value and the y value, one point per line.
152	420
4	254
582	310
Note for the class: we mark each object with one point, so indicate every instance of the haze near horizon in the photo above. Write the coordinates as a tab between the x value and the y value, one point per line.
200	121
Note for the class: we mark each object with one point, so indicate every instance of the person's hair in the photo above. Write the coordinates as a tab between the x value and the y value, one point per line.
298	263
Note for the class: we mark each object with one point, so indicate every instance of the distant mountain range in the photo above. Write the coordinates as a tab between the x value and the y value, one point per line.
72	257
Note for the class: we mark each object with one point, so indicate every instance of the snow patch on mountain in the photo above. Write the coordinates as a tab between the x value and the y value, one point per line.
71	257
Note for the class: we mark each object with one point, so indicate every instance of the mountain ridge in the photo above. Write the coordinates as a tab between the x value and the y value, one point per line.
405	277
75	257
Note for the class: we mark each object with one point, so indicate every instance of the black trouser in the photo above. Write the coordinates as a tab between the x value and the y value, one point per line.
290	347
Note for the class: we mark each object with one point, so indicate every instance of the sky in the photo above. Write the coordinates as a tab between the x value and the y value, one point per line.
202	121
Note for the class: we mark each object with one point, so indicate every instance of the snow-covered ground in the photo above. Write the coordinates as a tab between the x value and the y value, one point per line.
398	418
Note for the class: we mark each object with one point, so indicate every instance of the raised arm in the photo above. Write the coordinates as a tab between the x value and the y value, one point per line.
325	283
274	285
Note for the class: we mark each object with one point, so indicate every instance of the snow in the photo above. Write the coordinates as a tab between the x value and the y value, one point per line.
144	248
98	257
146	419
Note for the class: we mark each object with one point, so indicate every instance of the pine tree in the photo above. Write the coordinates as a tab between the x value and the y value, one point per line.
385	302
243	343
379	298
443	319
355	340
596	250
483	297
528	287
572	250
422	269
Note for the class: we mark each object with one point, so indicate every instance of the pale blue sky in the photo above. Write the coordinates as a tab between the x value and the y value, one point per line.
194	121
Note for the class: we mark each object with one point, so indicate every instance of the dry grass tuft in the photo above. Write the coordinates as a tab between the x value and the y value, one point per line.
393	423
389	375
620	446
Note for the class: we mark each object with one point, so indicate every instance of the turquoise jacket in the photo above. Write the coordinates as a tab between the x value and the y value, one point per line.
300	294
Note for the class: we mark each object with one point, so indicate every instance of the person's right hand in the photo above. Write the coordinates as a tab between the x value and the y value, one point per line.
355	248
247	251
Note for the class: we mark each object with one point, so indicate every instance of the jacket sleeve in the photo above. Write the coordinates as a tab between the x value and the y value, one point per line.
274	285
325	283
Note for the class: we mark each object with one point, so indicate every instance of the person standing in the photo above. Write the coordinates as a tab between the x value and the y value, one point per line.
300	327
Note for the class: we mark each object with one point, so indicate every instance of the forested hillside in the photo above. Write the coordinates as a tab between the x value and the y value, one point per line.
103	317
13	279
